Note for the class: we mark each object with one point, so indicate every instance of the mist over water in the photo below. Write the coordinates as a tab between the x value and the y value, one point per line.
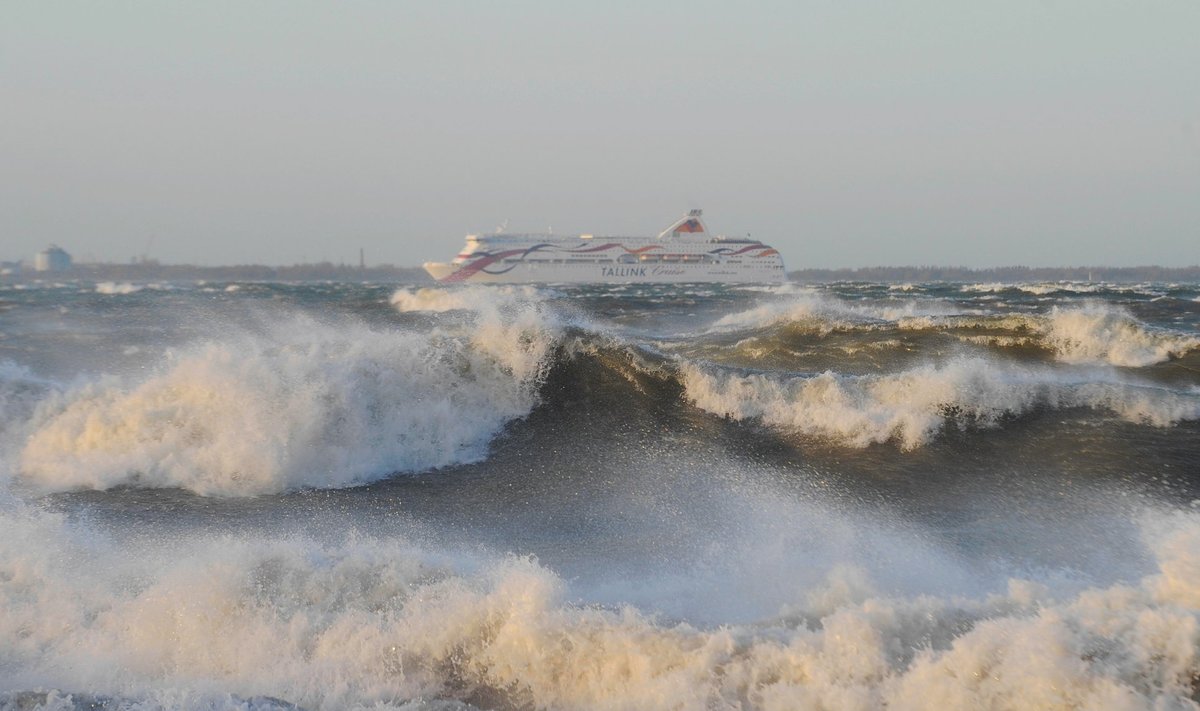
851	496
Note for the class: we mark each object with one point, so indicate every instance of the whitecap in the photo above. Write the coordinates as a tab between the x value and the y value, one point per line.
302	404
913	406
114	288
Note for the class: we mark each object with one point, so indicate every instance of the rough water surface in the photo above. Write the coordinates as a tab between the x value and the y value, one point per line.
371	496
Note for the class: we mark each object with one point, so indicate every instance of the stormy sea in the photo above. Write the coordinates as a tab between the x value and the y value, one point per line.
381	496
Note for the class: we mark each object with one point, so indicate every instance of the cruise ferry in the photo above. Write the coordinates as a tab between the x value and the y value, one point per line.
684	252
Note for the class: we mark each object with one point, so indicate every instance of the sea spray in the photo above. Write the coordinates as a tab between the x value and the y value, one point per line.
1092	332
20	390
824	313
364	623
623	550
473	298
912	406
1100	333
300	404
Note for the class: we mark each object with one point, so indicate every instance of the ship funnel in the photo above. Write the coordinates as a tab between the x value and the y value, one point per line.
689	224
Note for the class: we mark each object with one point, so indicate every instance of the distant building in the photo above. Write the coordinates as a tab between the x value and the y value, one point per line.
52	259
10	268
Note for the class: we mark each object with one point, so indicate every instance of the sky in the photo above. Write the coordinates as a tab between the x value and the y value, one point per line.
846	134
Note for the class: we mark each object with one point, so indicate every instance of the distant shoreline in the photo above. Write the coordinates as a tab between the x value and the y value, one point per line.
999	274
154	271
326	271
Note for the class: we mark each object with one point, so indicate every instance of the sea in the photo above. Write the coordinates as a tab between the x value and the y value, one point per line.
268	496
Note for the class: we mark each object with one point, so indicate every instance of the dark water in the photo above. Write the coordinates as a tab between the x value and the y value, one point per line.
364	495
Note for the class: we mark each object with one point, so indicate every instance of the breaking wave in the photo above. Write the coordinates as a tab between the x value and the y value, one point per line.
301	404
473	298
375	624
820	313
311	405
777	596
1089	333
913	406
1098	333
114	288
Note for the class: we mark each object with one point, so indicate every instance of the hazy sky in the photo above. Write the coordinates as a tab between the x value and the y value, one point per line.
845	133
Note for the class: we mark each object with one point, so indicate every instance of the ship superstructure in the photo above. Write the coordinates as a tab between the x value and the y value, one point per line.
684	252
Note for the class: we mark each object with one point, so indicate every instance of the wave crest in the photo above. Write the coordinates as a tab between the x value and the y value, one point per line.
913	406
471	298
1089	333
370	624
302	405
1106	334
113	288
820	313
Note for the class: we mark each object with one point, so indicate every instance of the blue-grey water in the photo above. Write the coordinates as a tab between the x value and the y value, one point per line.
849	496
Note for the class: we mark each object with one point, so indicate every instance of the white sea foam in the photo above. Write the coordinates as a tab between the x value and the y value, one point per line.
472	297
372	624
301	404
114	288
1065	287
824	313
989	288
913	406
1053	287
1093	332
1101	333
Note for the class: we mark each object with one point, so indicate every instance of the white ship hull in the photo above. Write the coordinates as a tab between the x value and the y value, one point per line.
683	253
608	274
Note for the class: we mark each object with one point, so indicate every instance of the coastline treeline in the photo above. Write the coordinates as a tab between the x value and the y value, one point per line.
1014	274
155	271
